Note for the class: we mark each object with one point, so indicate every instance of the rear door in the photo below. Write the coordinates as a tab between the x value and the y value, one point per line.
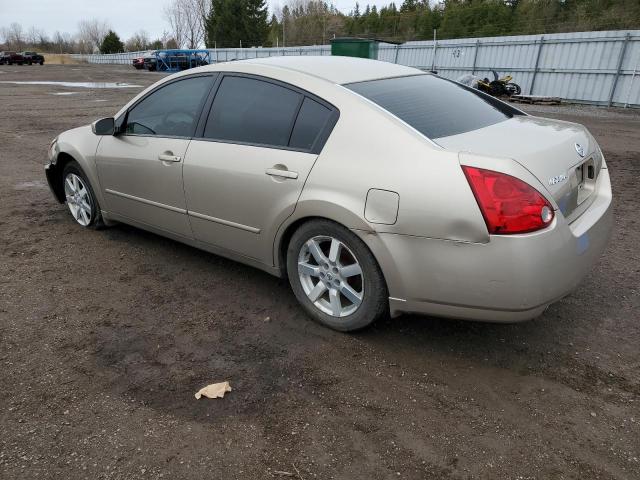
245	172
141	169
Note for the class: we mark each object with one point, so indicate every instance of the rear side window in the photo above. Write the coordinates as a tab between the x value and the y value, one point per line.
252	111
310	123
433	106
170	111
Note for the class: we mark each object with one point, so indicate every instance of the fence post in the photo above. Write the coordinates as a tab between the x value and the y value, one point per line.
633	77
535	68
395	58
433	62
475	57
618	69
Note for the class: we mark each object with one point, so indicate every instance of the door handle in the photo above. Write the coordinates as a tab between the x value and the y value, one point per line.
169	158
276	172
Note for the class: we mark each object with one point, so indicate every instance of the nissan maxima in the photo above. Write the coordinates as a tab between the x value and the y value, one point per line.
376	188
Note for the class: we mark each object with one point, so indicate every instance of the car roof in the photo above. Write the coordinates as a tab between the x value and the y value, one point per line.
336	69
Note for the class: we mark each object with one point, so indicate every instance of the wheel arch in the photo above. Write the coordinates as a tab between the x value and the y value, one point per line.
78	145
311	211
54	174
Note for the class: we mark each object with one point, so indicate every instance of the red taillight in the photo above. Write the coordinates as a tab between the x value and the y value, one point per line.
508	204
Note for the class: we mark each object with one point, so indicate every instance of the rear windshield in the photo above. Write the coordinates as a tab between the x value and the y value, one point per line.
434	106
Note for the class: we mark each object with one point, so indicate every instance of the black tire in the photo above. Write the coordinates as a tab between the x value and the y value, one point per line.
42	63
30	62
496	89
96	216
375	299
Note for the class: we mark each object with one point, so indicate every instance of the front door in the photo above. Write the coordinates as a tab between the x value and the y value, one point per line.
140	169
142	180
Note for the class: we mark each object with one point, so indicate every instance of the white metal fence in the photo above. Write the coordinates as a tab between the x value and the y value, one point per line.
600	68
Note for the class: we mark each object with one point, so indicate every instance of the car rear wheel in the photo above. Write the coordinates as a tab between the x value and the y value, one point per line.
335	277
80	198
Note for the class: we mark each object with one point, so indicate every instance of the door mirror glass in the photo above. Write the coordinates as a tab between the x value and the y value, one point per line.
104	126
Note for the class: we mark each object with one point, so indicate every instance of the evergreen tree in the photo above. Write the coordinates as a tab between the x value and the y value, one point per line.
233	21
313	22
111	43
257	23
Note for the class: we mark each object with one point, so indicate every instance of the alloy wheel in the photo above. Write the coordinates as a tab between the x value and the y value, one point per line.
331	276
78	199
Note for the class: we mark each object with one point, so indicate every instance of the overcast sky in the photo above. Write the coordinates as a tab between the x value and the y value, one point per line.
125	16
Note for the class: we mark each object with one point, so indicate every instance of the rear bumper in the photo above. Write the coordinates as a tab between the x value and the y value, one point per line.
508	279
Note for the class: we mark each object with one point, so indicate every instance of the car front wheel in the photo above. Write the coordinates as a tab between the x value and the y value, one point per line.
79	196
335	277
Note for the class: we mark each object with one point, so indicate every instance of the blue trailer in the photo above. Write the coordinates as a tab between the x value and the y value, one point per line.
176	60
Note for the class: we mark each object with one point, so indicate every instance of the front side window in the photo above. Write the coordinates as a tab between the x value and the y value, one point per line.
171	111
433	106
246	110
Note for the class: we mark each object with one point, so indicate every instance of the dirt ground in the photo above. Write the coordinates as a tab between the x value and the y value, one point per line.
105	336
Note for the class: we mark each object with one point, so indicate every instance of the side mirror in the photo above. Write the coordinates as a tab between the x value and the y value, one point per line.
104	126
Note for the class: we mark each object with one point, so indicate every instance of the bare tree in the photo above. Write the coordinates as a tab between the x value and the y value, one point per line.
204	8
187	21
91	33
63	43
13	36
194	30
36	37
139	41
175	16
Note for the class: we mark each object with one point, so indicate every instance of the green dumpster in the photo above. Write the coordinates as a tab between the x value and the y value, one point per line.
355	47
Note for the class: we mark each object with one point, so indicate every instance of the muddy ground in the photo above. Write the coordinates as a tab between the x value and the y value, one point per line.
105	336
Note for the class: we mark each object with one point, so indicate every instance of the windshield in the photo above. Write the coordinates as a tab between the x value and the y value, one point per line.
434	106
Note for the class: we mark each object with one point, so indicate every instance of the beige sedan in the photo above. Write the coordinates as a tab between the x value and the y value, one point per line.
376	188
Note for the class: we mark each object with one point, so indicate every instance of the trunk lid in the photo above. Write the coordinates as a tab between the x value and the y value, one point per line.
549	149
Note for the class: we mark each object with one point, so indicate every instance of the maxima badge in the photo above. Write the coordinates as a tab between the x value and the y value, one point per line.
557	179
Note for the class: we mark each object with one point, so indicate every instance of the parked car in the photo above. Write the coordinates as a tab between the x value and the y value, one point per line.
138	63
375	188
9	58
149	62
33	57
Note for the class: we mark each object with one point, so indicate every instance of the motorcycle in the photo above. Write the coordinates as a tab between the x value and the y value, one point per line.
499	87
